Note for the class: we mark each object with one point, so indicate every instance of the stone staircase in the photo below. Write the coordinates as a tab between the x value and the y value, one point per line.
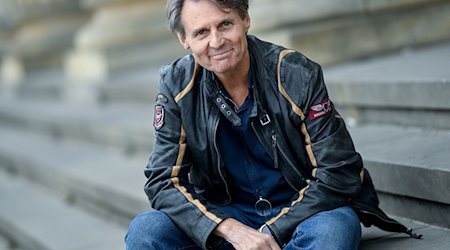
72	152
328	31
398	107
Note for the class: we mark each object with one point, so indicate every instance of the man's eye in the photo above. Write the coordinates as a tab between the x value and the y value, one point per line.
226	24
200	33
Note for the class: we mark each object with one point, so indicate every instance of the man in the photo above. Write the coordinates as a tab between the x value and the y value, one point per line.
250	152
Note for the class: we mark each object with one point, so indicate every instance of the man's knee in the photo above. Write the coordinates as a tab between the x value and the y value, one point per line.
149	224
335	229
155	230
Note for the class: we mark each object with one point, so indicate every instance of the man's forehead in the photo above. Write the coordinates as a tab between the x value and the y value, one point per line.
200	14
201	5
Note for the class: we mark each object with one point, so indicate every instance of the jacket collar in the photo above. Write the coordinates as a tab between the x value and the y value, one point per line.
213	89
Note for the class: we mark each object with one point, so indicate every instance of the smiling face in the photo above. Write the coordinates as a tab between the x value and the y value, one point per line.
217	37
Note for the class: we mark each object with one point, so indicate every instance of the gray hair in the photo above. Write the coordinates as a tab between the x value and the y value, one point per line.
174	8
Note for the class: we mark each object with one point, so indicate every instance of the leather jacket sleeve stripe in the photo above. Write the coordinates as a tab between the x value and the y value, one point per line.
297	110
361	175
286	209
183	190
294	106
189	86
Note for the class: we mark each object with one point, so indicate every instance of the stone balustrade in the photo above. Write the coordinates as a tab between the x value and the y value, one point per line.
92	39
121	34
13	11
36	34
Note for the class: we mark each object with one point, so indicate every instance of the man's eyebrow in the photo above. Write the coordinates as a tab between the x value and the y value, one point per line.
226	20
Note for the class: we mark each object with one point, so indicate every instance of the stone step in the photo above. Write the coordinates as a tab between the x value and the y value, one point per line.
127	127
407	156
363	83
435	238
50	204
399	88
365	34
83	175
134	85
87	65
138	85
34	219
41	85
296	12
410	168
408	88
4	243
101	180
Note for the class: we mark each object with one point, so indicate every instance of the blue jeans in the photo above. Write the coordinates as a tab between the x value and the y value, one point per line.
335	229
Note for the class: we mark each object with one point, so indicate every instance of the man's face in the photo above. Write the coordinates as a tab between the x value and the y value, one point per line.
216	37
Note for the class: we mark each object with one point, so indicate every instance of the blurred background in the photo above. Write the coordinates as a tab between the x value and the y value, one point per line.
78	79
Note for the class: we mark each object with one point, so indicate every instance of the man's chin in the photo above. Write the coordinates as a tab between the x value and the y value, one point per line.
220	68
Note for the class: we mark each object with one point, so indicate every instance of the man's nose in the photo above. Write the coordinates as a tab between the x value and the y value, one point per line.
216	39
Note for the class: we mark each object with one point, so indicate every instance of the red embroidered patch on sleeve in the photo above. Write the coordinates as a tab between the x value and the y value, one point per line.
320	109
158	120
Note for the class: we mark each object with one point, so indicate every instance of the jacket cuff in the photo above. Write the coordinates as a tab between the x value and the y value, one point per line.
213	241
268	230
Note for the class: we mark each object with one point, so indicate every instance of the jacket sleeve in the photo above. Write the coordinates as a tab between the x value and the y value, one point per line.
168	188
336	168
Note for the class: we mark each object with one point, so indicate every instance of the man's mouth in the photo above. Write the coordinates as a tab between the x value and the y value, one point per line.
221	54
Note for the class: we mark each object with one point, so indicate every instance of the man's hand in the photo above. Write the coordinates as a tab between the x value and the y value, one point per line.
243	237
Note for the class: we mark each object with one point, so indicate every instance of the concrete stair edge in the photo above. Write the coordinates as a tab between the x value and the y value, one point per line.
347	38
388	241
398	88
320	10
102	181
409	168
435	238
368	147
4	243
380	161
34	219
124	126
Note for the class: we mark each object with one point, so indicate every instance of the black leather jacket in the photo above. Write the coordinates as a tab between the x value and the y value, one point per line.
186	176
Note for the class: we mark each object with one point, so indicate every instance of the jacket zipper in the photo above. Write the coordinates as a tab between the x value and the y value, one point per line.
216	125
302	176
259	137
275	149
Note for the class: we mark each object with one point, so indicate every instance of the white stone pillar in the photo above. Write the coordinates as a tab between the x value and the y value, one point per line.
121	34
39	33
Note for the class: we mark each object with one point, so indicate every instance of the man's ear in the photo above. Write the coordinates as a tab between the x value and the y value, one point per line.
182	40
247	23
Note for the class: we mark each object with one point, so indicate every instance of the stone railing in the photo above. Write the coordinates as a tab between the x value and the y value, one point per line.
120	34
15	11
35	33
